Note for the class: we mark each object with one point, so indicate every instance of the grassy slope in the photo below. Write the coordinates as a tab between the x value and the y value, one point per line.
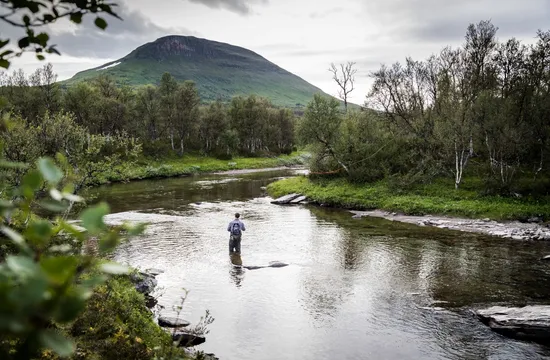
436	198
149	168
219	70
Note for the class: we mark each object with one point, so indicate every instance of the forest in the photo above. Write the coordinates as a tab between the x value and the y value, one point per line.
98	124
478	114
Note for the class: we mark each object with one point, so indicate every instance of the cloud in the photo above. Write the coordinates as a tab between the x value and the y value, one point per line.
120	37
326	13
242	7
439	21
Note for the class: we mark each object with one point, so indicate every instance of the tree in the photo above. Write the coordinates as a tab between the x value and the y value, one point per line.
147	109
212	127
187	111
345	79
168	103
321	125
33	15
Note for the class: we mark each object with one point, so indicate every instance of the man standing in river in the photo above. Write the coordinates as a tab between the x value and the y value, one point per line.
235	228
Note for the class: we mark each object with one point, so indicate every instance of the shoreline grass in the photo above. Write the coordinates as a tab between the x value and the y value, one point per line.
435	199
147	168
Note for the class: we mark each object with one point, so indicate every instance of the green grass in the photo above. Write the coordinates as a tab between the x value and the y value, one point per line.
438	198
191	164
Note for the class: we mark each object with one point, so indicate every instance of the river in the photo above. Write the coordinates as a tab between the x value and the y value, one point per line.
354	289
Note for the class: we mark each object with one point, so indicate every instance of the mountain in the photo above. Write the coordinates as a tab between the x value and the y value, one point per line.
219	70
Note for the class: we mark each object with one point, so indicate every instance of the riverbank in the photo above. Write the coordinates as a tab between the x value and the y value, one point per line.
432	199
147	168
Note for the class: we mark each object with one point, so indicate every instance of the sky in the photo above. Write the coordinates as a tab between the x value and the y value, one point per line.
301	36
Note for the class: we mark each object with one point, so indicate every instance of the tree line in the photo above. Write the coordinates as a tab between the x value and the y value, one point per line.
481	110
101	118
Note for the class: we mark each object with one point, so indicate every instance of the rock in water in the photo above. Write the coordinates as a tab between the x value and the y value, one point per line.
172	322
530	323
298	200
285	199
187	340
547	257
277	264
144	283
150	301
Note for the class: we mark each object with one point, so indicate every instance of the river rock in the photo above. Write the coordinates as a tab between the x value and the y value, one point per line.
547	257
154	272
277	264
187	340
298	200
150	301
144	283
172	322
523	323
285	199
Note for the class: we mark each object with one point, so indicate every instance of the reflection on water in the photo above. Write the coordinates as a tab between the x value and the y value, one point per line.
354	289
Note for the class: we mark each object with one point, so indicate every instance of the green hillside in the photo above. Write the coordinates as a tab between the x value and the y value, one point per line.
219	70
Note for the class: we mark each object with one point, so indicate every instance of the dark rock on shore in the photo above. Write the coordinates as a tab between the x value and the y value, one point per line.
150	301
172	322
531	323
187	340
144	283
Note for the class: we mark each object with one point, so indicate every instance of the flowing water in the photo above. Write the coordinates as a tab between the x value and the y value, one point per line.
354	289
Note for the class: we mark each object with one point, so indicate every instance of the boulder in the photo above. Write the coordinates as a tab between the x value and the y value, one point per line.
531	323
150	301
285	199
298	200
172	322
187	340
144	283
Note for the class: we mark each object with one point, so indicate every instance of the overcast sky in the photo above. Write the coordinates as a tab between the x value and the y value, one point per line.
302	36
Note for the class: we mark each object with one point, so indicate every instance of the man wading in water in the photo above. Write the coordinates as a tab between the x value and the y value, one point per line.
235	228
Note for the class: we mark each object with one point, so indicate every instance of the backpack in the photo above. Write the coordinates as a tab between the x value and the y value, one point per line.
236	229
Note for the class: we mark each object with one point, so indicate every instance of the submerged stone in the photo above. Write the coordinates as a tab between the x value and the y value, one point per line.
172	322
187	339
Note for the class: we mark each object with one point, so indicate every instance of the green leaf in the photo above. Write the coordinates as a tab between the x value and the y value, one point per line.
33	180
92	218
40	57
24	42
76	17
39	232
43	38
4	63
52	205
100	23
136	229
72	197
15	237
59	269
56	194
70	306
49	171
52	339
109	242
114	268
21	265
